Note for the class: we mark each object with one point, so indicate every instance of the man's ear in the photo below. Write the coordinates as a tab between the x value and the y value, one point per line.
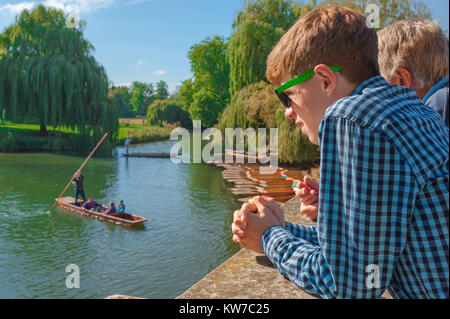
327	77
403	77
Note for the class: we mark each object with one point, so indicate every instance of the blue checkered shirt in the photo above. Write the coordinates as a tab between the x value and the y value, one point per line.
383	202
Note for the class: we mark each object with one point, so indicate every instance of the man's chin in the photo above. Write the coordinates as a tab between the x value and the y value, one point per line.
311	138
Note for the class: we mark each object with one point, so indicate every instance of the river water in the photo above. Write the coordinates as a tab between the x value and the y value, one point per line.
188	234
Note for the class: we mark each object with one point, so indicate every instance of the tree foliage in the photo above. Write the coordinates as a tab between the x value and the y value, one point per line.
122	95
186	93
207	93
167	111
257	28
256	106
162	90
48	75
142	95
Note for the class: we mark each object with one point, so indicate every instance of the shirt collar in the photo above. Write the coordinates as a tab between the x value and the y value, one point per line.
442	83
375	81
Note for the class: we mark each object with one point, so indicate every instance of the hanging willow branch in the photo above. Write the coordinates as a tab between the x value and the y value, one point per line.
49	76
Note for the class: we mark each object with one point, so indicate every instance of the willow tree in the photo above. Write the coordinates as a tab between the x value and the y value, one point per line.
256	106
49	76
257	28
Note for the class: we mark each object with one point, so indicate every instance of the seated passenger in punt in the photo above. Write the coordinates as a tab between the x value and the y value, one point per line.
121	207
112	209
91	204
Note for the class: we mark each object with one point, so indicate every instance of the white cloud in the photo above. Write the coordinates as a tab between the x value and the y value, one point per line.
160	72
69	6
82	6
17	8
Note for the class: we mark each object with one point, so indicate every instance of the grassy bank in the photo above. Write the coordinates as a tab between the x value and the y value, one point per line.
16	137
141	133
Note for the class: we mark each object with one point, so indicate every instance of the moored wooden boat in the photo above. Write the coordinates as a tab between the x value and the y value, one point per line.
130	220
155	155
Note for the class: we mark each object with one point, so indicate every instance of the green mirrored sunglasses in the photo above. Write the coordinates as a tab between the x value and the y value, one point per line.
299	79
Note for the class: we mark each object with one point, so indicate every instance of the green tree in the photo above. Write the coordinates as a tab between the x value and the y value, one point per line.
122	94
162	90
207	94
48	75
167	111
257	28
186	93
142	95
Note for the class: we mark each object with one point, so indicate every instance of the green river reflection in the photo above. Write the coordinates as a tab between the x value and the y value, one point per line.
189	208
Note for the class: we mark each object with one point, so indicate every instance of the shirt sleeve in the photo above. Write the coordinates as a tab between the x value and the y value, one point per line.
308	233
366	197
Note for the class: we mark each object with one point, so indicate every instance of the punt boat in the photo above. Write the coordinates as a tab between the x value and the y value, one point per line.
125	219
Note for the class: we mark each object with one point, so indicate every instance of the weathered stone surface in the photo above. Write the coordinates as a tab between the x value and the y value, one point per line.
251	275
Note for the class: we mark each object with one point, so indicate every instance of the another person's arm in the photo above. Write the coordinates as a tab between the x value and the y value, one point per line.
308	192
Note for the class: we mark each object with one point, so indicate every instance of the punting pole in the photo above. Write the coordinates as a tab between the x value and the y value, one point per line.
79	170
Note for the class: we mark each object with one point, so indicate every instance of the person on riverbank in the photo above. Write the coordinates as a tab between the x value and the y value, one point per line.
78	181
384	178
414	53
91	204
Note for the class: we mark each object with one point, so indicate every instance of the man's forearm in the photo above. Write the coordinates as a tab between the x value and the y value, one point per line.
299	260
308	233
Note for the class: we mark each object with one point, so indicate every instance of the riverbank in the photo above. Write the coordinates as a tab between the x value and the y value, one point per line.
141	133
17	137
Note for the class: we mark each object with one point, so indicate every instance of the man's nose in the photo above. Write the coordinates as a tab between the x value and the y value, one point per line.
289	113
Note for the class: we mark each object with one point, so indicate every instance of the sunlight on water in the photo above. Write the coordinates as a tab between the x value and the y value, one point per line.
188	233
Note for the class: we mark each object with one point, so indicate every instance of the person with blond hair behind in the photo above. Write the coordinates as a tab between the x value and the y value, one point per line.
414	53
384	180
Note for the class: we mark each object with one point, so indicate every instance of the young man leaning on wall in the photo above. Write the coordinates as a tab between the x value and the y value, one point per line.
384	197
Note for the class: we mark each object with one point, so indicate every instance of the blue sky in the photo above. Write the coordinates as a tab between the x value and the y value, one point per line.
148	40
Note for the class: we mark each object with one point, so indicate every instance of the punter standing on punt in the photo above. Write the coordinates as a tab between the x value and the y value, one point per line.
78	179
